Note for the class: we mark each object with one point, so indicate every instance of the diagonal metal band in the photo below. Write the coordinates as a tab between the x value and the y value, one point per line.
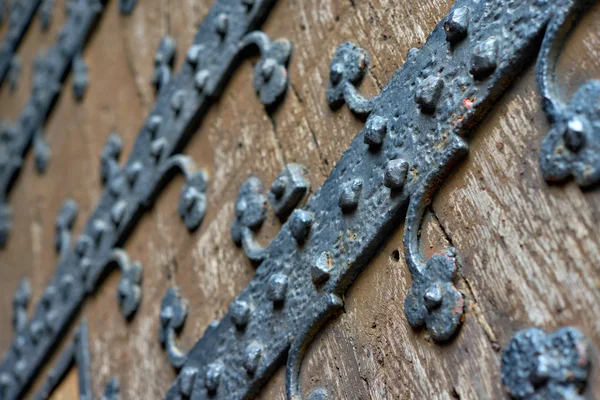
422	117
179	109
18	24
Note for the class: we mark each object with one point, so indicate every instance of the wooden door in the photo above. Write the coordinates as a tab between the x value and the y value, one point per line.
527	249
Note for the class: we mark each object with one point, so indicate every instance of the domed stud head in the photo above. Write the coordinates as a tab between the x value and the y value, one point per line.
433	296
395	174
240	313
252	357
277	288
428	93
300	224
213	377
350	195
484	59
321	269
376	129
457	25
575	134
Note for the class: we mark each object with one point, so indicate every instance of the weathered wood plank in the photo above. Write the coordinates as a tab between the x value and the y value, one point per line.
529	251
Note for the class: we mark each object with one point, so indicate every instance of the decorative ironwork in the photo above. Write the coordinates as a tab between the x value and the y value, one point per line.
131	189
20	16
49	74
416	129
45	13
250	214
415	132
537	365
164	59
290	187
173	312
77	353
572	147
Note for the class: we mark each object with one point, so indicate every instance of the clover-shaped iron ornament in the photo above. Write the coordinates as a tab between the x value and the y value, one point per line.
173	312
347	69
271	74
433	300
572	147
250	214
537	365
129	292
192	201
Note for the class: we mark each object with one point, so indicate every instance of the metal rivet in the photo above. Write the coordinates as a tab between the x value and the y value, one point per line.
350	195
20	345
222	24
267	68
132	172
288	189
240	313
36	328
277	287
201	79
66	285
213	377
300	223
190	197
457	25
279	185
153	124
48	297
51	320
574	135
433	296
336	73
395	174
6	383
321	270
186	380
484	58
157	147
541	371
118	211
428	93
85	266
98	229
252	358
193	53
21	368
177	101
82	246
375	131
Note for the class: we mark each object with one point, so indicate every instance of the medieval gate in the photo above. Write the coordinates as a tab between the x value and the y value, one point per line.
336	199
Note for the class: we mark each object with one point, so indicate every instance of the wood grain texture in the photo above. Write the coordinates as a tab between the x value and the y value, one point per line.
529	252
